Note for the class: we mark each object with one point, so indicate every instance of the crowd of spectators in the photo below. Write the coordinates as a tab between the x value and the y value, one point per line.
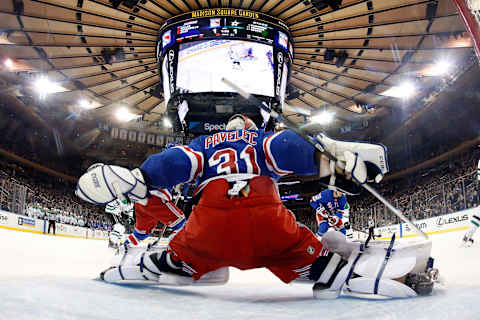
446	187
46	195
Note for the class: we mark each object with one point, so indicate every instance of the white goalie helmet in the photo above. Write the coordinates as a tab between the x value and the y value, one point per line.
240	121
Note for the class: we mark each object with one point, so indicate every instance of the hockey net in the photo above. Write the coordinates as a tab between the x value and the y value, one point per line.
469	10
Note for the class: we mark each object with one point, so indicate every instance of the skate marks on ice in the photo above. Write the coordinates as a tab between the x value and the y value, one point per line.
44	277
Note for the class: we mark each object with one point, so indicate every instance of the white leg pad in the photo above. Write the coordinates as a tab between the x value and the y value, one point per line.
371	264
364	287
127	273
400	263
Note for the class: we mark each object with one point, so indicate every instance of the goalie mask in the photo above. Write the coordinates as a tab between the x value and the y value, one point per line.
239	121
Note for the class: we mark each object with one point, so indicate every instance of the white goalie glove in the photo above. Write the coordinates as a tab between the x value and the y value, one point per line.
102	184
361	162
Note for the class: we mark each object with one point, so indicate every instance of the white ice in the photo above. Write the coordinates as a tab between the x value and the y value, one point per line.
46	277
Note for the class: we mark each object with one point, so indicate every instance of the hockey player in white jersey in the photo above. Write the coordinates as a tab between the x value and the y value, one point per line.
346	222
117	236
475	222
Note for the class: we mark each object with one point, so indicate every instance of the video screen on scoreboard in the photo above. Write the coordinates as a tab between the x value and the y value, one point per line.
203	64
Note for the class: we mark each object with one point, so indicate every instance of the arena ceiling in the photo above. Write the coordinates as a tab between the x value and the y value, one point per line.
383	44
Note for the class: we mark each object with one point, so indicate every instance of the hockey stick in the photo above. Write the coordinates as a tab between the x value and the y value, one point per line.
292	126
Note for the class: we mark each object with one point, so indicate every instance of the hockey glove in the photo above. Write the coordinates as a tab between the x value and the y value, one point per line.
102	184
322	212
334	221
358	161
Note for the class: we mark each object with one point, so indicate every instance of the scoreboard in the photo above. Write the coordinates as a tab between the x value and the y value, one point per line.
196	50
224	23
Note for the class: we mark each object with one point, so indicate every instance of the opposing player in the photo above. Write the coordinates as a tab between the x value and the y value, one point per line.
240	221
116	236
346	222
329	206
475	222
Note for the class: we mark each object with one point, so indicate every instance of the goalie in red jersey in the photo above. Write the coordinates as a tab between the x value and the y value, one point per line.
240	220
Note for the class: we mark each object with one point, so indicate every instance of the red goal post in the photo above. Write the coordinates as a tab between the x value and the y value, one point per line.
469	10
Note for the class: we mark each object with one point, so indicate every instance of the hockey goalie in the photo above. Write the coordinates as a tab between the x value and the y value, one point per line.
240	221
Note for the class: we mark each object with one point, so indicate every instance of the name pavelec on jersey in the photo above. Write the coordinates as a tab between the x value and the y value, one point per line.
231	136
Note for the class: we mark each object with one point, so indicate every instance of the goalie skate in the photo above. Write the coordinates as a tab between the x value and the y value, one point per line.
153	265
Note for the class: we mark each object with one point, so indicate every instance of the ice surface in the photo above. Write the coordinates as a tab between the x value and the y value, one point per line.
46	277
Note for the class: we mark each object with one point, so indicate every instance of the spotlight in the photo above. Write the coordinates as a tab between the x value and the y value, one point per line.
167	123
404	90
8	63
407	88
442	67
44	86
124	115
323	118
85	104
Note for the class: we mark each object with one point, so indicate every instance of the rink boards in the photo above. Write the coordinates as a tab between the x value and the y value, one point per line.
451	222
17	222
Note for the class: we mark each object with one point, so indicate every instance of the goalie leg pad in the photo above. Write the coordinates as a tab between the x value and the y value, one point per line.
379	271
386	288
160	268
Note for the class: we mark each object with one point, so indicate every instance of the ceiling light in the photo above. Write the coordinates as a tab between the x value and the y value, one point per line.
443	66
404	90
323	118
44	86
124	115
167	123
440	68
85	104
8	63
